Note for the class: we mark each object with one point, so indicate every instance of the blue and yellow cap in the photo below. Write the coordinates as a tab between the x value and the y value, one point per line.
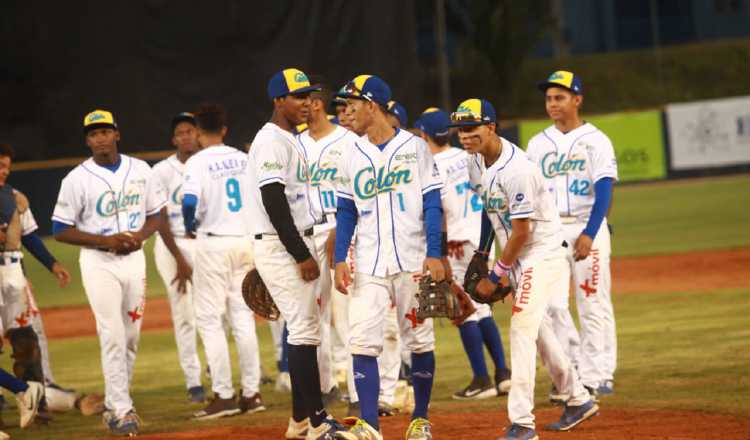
399	111
564	79
368	87
98	119
434	122
472	112
289	82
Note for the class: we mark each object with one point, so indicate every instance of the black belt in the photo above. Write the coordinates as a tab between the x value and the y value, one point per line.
8	260
306	233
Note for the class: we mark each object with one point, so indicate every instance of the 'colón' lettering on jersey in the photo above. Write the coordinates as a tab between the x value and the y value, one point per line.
554	165
110	203
367	183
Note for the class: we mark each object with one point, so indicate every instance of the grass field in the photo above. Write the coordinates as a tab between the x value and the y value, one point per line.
677	350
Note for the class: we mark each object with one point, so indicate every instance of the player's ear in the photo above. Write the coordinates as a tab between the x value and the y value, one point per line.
117	135
579	101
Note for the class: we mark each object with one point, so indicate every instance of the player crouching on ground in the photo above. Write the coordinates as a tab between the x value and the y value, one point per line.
390	188
109	205
463	214
525	219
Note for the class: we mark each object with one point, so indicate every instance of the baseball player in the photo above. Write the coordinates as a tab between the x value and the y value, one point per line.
284	248
174	253
524	219
323	144
463	212
109	205
578	163
29	396
390	190
216	208
397	116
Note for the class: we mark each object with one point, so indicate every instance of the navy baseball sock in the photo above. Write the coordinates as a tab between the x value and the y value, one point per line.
303	370
471	337
284	361
491	336
422	374
367	382
11	383
299	410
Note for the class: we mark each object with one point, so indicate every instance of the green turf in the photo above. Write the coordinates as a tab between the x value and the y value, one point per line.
676	350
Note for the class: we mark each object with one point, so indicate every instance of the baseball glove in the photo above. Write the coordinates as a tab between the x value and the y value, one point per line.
477	270
256	296
442	300
90	404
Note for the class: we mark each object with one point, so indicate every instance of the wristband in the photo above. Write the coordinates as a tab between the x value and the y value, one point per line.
444	244
498	272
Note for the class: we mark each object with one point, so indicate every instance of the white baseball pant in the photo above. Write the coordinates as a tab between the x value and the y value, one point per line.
181	305
323	293
221	263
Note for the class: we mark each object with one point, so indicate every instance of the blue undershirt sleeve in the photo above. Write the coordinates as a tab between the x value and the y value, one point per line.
189	202
602	199
484	234
36	247
58	227
346	221
433	221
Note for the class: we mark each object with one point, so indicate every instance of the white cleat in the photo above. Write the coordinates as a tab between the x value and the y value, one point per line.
28	403
297	430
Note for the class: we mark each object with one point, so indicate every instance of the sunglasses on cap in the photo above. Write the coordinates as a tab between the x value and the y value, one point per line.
353	91
467	116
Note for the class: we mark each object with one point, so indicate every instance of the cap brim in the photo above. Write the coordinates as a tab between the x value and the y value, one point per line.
90	127
308	89
468	124
543	86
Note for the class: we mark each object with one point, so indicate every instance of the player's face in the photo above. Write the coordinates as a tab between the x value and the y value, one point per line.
360	114
561	104
4	169
296	108
342	116
475	137
186	138
102	141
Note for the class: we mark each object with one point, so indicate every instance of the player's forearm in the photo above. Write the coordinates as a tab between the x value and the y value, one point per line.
274	200
150	226
76	237
346	221
165	232
520	233
36	247
602	198
486	234
433	222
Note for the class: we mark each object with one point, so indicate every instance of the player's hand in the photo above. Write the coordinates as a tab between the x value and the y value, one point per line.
582	248
184	275
342	277
62	275
435	267
486	288
122	243
456	249
331	247
309	269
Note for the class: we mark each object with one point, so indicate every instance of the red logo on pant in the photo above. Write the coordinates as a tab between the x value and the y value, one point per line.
134	315
591	289
525	287
22	321
412	316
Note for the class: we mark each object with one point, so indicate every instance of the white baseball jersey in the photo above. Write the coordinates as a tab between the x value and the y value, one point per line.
217	176
571	163
170	172
98	201
387	188
462	207
513	188
324	156
276	157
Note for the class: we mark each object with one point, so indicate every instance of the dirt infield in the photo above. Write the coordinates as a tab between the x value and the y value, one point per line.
611	424
659	273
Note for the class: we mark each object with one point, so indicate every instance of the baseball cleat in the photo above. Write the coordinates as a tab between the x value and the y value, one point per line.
127	426
573	415
479	388
29	401
419	429
593	392
556	397
518	432
386	410
326	431
361	430
218	408
502	381
252	404
297	430
196	394
4	436
607	387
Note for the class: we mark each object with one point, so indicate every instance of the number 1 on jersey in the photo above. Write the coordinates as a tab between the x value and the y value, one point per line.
233	192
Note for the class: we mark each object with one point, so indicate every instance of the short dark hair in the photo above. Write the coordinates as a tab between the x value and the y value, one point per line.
325	93
211	117
441	140
7	151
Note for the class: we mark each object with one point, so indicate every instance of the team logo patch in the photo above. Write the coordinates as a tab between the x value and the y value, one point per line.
300	77
519	197
271	166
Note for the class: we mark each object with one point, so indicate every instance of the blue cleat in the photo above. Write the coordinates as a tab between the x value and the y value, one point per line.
518	432
196	394
127	426
607	387
573	415
326	431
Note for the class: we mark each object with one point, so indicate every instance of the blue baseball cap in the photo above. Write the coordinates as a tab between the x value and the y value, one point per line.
399	112
473	112
289	82
368	87
566	80
434	122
